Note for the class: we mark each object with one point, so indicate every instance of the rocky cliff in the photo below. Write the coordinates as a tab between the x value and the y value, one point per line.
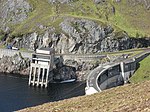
70	26
15	64
80	36
13	12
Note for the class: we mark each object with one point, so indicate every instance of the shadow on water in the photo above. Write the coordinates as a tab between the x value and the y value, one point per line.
15	94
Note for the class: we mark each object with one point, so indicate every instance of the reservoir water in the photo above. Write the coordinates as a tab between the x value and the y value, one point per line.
15	94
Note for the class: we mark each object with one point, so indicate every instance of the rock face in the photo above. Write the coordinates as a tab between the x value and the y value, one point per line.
145	3
64	73
98	1
13	11
60	1
80	36
16	64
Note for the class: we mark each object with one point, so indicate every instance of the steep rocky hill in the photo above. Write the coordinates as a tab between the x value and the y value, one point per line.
75	26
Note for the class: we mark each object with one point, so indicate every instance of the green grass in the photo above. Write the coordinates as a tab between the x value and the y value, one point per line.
132	51
2	46
143	73
2	34
40	15
133	20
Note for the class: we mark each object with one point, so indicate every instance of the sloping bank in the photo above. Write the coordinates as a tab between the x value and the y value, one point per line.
133	97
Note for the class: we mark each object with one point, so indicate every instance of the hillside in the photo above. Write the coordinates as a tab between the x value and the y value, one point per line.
143	72
75	26
131	16
128	98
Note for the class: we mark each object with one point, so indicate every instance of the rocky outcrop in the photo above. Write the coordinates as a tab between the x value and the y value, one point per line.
15	65
60	1
64	73
13	11
98	1
80	36
145	3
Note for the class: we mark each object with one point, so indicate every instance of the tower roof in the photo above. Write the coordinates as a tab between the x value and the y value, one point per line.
45	50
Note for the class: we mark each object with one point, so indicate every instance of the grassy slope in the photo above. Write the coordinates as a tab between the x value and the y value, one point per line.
131	19
128	98
143	73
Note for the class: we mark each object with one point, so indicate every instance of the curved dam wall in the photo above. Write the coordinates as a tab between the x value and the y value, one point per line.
116	75
113	74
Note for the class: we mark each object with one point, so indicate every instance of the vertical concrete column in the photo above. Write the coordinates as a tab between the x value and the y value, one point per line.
38	78
122	66
47	75
43	74
134	61
34	75
30	75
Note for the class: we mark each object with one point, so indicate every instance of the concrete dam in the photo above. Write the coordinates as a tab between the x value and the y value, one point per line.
113	74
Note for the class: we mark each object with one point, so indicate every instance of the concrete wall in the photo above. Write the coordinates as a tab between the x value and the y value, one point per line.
110	78
79	57
111	82
119	74
8	52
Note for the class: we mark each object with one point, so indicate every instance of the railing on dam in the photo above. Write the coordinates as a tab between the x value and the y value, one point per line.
83	57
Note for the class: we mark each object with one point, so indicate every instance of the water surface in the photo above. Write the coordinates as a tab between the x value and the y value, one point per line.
15	94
